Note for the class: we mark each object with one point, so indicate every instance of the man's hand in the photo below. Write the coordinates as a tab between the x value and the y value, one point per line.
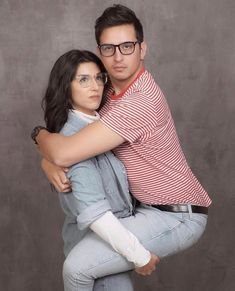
148	268
56	176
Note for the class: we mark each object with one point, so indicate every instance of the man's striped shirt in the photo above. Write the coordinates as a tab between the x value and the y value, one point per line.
156	166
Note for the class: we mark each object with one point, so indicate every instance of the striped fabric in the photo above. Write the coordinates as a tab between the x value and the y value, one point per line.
156	166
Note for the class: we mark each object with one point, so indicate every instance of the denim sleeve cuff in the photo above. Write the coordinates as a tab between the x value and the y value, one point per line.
92	213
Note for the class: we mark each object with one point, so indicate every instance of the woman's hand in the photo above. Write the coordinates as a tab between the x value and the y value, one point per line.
56	176
148	268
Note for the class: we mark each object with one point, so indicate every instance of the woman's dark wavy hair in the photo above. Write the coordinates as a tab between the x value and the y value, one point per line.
118	15
57	100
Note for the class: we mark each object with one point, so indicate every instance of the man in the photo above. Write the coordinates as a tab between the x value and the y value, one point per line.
136	123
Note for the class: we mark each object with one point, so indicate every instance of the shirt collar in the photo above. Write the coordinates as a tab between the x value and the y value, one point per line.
118	96
86	117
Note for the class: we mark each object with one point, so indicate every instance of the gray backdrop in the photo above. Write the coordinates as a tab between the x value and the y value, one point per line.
191	54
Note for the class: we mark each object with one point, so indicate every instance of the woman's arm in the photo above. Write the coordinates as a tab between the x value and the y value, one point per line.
65	151
56	176
89	204
109	228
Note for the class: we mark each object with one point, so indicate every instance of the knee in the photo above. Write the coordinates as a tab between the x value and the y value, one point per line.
74	276
69	276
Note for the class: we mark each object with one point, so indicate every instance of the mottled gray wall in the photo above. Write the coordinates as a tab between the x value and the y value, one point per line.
192	55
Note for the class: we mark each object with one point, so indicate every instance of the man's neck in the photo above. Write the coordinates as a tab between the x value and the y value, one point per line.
120	86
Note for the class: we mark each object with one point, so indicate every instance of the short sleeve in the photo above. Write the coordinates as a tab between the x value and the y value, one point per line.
133	118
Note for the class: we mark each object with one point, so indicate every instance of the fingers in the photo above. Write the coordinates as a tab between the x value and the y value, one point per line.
143	273
59	180
65	170
149	267
61	183
60	187
65	185
56	176
63	178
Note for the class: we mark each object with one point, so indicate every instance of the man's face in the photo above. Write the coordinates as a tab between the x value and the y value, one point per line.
122	69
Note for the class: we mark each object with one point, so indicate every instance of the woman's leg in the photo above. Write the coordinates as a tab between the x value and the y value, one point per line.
163	233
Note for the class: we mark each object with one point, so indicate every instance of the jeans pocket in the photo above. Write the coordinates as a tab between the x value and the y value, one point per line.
159	221
192	229
200	219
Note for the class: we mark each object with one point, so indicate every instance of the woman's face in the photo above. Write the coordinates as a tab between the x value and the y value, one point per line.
87	88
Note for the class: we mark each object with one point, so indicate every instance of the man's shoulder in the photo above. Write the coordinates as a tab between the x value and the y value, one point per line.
143	91
145	86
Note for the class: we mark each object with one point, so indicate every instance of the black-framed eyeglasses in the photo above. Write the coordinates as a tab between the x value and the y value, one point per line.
86	81
125	48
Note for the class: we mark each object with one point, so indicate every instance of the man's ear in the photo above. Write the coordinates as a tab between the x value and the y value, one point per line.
143	49
98	51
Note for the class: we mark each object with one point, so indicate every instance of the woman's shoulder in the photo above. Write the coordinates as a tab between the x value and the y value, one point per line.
73	124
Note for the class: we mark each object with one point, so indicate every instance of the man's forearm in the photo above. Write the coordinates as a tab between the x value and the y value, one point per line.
49	146
65	151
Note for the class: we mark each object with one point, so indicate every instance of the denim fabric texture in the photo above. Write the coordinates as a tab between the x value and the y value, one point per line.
99	184
162	233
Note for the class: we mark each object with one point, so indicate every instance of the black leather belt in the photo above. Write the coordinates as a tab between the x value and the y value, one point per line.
181	208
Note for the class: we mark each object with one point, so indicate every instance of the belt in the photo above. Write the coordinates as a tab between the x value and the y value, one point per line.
181	208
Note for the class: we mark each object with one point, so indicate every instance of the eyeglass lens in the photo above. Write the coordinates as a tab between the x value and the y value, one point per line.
87	80
125	48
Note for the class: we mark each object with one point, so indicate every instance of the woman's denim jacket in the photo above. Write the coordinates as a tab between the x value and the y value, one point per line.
99	184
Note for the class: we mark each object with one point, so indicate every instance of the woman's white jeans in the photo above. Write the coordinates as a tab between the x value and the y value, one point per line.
162	233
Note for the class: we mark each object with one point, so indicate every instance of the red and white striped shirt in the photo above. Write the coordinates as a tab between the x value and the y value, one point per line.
156	166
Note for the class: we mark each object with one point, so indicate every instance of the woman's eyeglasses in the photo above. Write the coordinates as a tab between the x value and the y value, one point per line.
87	80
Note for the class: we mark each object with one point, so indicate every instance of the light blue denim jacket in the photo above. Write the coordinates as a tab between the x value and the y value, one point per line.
99	184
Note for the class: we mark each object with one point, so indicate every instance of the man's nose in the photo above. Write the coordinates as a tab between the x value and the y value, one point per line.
118	56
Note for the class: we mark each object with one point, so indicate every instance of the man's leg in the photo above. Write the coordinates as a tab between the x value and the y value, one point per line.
85	258
163	233
118	282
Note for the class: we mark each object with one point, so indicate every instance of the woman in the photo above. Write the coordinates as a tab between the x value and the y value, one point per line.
99	185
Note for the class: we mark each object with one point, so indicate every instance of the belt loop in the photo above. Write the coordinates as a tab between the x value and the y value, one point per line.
190	210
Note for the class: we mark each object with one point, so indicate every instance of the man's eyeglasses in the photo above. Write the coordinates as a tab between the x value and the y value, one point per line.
125	48
86	81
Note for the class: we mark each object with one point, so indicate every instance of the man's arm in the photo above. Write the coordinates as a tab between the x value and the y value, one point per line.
65	151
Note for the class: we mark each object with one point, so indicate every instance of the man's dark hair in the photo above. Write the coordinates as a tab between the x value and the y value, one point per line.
118	15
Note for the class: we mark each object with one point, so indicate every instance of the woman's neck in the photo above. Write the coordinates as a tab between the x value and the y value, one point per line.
87	117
